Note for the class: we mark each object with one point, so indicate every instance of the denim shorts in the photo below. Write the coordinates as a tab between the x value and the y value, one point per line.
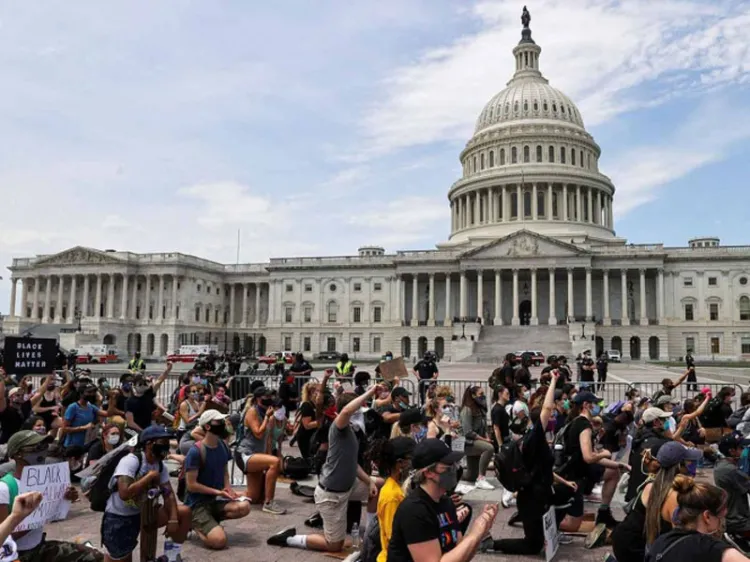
120	534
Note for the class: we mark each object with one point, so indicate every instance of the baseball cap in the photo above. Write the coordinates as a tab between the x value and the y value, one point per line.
154	432
399	391
261	391
666	399
731	441
673	453
431	451
13	391
211	415
519	407
650	415
403	447
586	396
22	439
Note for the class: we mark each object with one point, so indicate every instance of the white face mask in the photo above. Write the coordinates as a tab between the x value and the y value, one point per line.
527	394
113	438
358	420
280	414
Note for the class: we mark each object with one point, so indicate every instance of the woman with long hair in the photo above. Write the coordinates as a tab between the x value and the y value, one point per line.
474	425
651	513
307	419
699	527
689	428
112	437
190	408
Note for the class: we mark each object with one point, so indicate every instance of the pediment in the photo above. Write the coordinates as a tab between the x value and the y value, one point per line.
525	244
78	256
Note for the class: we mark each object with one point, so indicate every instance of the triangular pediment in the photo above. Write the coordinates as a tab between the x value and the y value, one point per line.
525	244
79	255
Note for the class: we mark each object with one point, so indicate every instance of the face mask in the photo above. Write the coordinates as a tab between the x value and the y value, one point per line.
596	410
37	457
527	394
89	397
195	396
566	405
692	468
267	402
448	479
330	412
219	430
195	380
113	438
41	430
160	450
358	421
481	401
419	434
388	357
140	390
280	414
105	386
126	387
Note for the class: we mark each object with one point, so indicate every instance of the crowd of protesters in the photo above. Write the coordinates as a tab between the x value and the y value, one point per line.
378	449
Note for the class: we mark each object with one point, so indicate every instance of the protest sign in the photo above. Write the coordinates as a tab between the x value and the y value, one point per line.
29	356
551	539
52	480
389	370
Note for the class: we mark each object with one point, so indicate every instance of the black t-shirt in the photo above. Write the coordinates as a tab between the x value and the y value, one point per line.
96	451
501	419
523	377
11	421
586	374
306	410
142	408
538	460
298	368
120	401
602	364
577	468
611	438
426	369
288	395
692	547
419	519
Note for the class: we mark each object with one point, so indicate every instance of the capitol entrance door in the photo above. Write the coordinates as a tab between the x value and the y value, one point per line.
524	312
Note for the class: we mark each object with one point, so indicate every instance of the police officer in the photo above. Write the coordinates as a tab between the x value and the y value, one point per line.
136	363
587	369
280	364
344	368
692	378
426	370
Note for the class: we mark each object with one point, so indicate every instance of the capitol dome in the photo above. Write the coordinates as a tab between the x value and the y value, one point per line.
530	164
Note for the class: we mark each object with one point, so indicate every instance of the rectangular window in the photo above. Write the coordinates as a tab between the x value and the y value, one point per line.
308	314
713	281
357	315
208	316
689	312
138	312
306	344
332	316
330	344
713	311
715	345
376	345
562	155
745	346
308	288
199	288
289	288
690	345
357	287
355	345
138	286
287	343
687	282
288	314
377	314
217	291
216	317
197	314
377	287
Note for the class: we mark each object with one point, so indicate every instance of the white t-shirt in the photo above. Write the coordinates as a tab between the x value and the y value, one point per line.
31	538
127	467
9	552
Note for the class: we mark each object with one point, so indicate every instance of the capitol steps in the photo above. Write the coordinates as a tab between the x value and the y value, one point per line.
496	341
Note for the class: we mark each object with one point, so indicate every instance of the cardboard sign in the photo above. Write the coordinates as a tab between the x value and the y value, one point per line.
396	367
551	540
29	356
52	480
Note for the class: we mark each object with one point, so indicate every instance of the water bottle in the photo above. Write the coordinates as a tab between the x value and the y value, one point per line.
170	552
355	536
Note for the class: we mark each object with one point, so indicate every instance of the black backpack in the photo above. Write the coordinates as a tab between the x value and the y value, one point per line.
561	457
100	490
509	467
295	468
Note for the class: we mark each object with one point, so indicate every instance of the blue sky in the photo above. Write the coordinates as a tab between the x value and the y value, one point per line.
145	127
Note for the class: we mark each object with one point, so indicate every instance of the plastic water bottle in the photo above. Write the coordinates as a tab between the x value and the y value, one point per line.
355	536
170	552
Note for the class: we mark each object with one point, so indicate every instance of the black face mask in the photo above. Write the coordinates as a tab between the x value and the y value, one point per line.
160	450
89	397
481	401
267	402
219	430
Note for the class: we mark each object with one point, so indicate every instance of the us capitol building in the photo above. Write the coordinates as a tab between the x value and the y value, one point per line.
532	262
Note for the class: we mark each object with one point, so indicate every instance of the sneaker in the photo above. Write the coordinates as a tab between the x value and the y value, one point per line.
605	516
273	508
315	521
482	484
563	538
596	537
487	544
279	539
514	519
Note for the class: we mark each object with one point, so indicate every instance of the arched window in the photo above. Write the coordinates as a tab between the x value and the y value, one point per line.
502	157
551	155
492	158
554	107
582	159
573	156
540	200
744	308
515	107
562	108
332	310
539	153
545	106
526	154
562	156
536	105
514	155
525	106
481	161
474	164
527	204
514	205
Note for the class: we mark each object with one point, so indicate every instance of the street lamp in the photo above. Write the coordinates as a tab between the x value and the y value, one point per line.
463	328
77	315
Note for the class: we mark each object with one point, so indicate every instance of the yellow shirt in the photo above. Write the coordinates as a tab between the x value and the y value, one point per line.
389	499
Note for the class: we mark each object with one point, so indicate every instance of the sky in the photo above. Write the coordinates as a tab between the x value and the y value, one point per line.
316	128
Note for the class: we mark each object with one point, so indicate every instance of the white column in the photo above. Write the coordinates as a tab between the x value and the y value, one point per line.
571	295
607	321
245	289
232	296
506	207
415	301
462	296
515	320
134	300
591	205
565	202
549	214
256	320
534	210
111	296
579	204
477	207
98	309
175	280
552	307
35	301
160	300
624	297
589	303
147	299
72	299
642	283
448	312
47	298
660	295
534	298
24	297
492	204
86	291
519	206
59	305
432	309
498	321
13	283
610	213
480	295
124	297
400	299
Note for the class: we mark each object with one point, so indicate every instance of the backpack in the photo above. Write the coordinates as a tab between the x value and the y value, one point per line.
509	467
371	545
711	417
562	457
615	408
100	490
295	468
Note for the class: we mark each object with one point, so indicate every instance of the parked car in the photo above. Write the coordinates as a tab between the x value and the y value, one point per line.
613	356
270	358
328	356
537	357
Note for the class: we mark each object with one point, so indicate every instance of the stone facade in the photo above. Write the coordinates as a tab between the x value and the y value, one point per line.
532	243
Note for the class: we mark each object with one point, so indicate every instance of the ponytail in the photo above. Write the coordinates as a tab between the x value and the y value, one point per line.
694	498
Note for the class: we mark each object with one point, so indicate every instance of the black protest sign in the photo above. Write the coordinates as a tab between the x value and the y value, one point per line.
29	356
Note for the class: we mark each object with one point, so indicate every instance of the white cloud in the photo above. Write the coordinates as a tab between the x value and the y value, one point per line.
402	221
